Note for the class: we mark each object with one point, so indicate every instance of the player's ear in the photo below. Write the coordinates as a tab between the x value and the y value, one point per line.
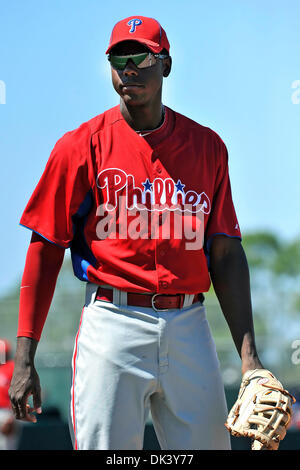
167	66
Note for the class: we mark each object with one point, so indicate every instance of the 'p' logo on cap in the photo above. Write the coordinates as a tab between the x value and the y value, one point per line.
134	22
142	29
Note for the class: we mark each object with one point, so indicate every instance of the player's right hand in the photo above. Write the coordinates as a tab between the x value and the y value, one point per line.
25	382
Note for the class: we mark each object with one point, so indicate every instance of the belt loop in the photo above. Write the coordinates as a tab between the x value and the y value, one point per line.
90	293
116	296
188	299
123	298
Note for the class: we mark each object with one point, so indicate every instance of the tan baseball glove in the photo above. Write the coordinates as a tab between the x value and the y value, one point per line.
262	411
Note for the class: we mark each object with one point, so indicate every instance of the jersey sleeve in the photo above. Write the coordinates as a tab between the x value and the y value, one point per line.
59	193
222	218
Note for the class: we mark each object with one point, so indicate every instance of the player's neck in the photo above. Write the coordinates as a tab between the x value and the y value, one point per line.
144	117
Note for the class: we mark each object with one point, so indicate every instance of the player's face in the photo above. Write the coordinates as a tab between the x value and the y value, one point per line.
138	86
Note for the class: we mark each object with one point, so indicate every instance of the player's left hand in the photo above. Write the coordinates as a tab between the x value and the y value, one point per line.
25	383
262	411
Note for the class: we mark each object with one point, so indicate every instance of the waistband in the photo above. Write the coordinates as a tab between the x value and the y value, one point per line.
156	301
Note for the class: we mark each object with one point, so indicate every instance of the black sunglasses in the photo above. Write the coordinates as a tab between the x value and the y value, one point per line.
141	60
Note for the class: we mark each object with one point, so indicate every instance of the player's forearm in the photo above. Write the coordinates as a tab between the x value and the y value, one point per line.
230	278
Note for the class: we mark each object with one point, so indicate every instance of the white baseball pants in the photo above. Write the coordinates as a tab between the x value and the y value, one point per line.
129	360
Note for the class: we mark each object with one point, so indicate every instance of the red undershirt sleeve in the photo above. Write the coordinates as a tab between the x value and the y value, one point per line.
43	262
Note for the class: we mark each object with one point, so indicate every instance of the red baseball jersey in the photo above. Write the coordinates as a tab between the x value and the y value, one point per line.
138	213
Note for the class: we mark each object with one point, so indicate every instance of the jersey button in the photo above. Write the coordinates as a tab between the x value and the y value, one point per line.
162	252
158	169
163	284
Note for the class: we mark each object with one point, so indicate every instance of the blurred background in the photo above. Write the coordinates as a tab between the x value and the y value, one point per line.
236	70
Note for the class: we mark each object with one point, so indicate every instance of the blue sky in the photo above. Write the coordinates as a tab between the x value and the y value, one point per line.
234	65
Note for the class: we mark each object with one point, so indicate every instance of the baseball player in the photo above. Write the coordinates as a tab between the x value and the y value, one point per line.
141	196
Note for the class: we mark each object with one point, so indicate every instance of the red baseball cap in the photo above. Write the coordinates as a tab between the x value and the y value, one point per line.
145	30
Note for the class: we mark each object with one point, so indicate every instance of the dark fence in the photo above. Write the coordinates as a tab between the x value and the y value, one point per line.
52	432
